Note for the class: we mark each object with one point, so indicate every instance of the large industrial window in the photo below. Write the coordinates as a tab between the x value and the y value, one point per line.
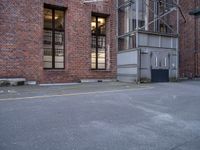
98	54
53	39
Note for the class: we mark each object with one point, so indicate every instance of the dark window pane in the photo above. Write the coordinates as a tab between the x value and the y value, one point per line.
101	42
59	38
94	40
59	49
98	43
47	37
59	19
53	48
93	25
48	18
47	49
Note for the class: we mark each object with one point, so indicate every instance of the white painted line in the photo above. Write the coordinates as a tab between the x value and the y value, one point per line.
58	84
12	91
74	94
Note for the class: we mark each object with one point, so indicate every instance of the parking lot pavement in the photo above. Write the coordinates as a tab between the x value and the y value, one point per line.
103	116
18	92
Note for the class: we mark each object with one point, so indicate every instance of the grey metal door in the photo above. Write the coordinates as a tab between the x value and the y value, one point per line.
159	66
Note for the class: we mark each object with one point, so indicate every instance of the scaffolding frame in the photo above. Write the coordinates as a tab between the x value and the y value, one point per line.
175	7
171	9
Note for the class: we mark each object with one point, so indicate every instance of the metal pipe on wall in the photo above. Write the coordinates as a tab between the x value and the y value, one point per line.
177	45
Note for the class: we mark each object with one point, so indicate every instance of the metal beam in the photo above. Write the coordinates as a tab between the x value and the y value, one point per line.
159	17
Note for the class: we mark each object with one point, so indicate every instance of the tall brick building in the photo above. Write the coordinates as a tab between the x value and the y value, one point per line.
57	40
189	39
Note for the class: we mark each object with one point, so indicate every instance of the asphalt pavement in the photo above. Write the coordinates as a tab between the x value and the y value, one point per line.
101	116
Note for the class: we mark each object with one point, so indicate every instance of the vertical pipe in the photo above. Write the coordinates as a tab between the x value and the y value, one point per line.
117	24
127	25
131	27
137	42
137	23
155	6
169	64
196	46
147	15
137	14
53	41
97	43
117	32
138	65
177	44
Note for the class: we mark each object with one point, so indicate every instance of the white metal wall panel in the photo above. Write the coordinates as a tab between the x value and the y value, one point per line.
161	41
127	63
143	40
174	43
166	42
153	40
128	71
127	58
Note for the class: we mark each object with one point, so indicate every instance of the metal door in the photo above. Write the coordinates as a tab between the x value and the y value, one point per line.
159	66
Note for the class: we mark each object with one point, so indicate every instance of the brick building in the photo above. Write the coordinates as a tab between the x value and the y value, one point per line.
54	41
189	39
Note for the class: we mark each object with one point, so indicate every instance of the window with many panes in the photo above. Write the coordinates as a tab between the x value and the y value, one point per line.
53	38
98	54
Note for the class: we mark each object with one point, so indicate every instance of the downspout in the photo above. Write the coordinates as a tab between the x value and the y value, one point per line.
195	47
147	15
177	46
196	13
197	50
137	40
117	34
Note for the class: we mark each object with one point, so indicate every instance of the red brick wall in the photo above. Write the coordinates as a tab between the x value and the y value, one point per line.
197	32
188	40
21	40
198	44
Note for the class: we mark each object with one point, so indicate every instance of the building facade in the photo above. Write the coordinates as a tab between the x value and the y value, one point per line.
54	41
57	41
189	39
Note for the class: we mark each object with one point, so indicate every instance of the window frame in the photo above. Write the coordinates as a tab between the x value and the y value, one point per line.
54	30
97	35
